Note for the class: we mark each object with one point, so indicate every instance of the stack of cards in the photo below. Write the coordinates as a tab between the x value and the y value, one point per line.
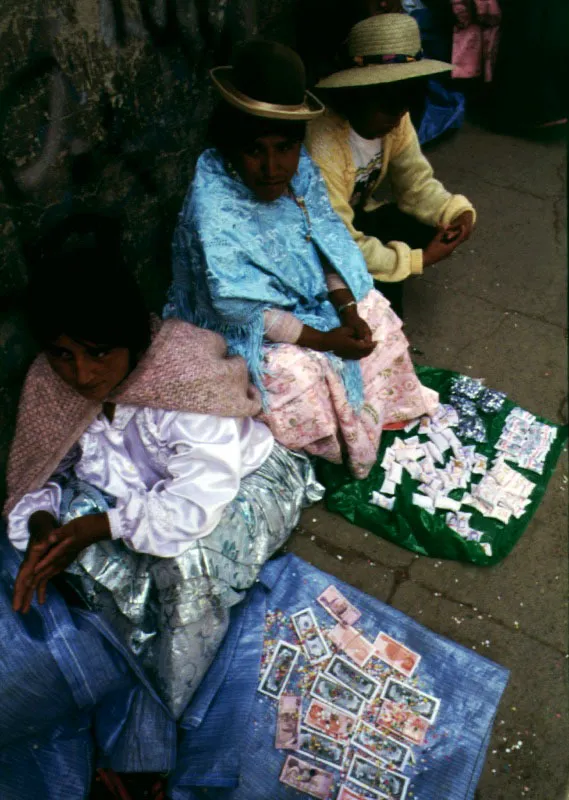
525	441
501	494
357	726
443	466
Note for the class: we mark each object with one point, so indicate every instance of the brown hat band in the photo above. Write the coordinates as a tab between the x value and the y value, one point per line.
391	58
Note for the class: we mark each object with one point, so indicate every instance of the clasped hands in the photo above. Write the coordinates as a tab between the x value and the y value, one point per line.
51	549
447	239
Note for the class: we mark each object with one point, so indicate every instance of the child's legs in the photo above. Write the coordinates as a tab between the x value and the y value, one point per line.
389	224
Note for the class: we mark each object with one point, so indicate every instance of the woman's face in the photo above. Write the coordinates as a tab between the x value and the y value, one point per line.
92	370
268	165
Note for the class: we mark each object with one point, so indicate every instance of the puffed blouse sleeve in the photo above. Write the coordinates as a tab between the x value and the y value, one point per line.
47	498
203	472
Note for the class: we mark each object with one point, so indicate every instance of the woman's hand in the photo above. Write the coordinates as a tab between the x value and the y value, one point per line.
360	329
346	343
52	549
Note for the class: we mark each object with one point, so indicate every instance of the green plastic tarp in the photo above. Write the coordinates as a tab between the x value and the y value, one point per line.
414	528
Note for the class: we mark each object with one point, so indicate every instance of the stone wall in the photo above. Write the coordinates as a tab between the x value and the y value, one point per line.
103	108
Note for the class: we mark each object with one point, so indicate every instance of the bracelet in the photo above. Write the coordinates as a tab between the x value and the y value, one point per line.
346	305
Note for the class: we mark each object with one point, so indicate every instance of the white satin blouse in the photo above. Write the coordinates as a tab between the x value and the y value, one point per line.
172	475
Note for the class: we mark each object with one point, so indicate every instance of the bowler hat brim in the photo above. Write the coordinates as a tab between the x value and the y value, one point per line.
374	74
221	76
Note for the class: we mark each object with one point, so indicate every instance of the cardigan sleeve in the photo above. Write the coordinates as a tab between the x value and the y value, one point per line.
417	191
329	147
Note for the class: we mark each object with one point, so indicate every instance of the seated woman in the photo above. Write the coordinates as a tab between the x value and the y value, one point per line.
137	473
260	256
367	136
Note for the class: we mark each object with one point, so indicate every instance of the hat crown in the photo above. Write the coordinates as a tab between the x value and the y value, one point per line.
385	34
269	72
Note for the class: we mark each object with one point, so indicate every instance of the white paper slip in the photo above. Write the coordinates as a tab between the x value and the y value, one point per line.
382	501
423	502
411	425
396	473
447	503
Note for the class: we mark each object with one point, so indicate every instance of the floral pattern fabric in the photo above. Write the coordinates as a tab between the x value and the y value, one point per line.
308	408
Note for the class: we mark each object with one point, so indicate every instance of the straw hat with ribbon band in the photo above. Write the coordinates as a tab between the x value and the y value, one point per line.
384	49
268	80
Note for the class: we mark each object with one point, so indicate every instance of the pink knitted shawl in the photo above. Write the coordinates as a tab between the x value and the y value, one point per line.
185	369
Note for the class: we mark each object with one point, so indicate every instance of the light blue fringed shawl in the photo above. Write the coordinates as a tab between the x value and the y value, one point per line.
234	257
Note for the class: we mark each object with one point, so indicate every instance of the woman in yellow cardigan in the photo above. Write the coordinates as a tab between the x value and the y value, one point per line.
366	135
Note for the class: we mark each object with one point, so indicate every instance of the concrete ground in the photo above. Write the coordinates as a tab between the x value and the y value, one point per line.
495	310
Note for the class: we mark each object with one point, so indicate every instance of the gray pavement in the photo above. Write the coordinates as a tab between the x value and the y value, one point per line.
495	310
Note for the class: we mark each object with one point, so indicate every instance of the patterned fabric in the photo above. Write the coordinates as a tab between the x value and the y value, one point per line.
235	257
388	58
185	369
476	38
308	407
170	475
172	613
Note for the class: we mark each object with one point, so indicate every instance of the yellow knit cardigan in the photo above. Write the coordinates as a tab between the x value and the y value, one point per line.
416	191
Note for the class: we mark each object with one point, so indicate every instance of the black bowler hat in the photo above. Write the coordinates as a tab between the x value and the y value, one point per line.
267	79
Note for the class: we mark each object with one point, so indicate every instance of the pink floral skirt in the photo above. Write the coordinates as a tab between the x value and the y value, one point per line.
308	407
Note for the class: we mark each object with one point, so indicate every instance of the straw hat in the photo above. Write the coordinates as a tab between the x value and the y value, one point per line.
267	79
384	49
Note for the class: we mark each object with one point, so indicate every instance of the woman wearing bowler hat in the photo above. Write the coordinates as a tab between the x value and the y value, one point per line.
367	136
260	256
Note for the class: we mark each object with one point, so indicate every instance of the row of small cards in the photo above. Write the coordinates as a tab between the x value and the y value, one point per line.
502	493
374	779
333	727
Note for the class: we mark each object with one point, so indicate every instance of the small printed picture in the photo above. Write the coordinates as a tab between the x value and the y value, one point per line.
307	778
310	636
379	745
379	779
303	622
322	748
403	721
329	720
288	722
338	607
396	655
359	650
335	694
418	702
356	680
279	669
348	793
342	636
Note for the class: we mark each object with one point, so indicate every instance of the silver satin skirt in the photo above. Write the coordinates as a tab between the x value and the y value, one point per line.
172	613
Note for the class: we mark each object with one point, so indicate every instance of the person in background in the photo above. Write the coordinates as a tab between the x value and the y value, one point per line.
366	136
260	256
